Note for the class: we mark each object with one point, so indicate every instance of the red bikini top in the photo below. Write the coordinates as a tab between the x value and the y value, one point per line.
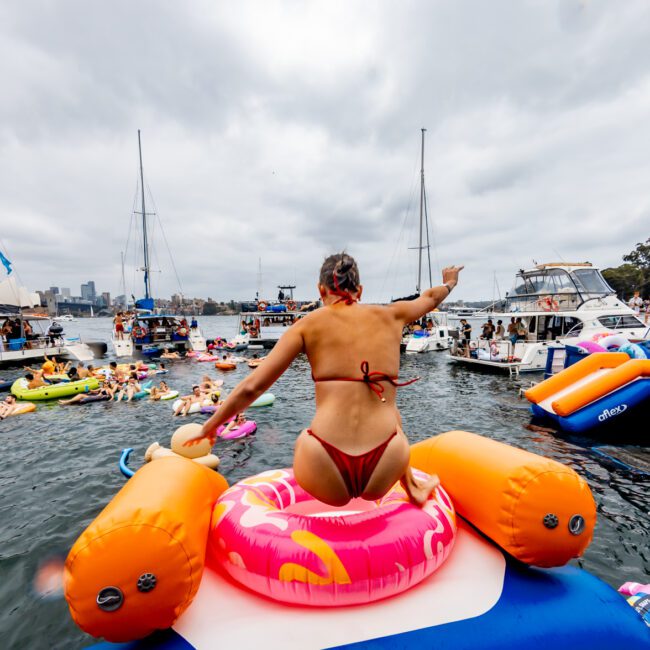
373	379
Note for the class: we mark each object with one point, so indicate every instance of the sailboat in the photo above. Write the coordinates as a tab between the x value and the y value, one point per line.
434	334
152	332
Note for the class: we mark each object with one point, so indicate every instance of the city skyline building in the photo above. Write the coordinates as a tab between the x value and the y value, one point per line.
88	291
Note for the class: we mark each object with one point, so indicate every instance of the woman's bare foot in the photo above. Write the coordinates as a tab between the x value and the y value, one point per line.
419	492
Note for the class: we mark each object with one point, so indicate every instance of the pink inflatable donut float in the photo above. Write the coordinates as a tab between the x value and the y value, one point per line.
246	429
271	536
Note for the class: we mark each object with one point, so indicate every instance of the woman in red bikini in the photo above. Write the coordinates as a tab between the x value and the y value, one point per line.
355	446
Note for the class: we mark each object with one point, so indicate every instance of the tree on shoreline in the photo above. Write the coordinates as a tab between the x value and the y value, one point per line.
633	276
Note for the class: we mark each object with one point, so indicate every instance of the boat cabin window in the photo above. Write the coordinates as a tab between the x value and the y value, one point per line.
572	326
614	322
541	283
561	281
591	281
520	288
552	327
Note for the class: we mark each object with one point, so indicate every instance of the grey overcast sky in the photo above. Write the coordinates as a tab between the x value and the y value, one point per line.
288	130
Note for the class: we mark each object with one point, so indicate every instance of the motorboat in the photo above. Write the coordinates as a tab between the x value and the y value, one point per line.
263	328
34	334
430	338
46	339
152	333
556	303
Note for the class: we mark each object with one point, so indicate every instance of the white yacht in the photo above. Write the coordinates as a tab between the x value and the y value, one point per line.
557	303
266	326
32	335
429	340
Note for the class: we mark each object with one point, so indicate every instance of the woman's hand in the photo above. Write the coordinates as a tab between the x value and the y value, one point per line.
450	275
210	435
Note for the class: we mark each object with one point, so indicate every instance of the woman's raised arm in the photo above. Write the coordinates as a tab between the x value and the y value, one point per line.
408	311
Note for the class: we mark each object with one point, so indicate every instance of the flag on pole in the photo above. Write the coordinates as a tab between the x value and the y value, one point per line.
6	263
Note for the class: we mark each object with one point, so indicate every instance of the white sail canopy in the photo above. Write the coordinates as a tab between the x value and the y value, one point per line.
16	296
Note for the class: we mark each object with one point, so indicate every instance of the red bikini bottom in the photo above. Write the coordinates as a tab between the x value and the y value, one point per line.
355	470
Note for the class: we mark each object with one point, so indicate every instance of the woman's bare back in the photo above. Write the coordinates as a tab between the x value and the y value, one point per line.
338	339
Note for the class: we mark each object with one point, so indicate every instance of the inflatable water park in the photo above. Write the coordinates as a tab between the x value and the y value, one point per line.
180	559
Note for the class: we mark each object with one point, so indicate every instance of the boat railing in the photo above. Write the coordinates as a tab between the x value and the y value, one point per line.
34	343
505	348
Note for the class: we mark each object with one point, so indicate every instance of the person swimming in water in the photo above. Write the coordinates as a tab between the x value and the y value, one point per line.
355	446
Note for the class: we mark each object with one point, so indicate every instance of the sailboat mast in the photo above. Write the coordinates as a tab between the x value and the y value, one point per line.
421	216
123	280
147	283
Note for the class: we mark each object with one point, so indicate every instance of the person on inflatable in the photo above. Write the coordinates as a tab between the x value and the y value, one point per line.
106	392
130	388
158	391
355	446
186	401
7	406
238	421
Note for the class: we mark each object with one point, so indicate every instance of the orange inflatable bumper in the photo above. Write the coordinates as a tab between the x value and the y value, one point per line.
138	565
536	509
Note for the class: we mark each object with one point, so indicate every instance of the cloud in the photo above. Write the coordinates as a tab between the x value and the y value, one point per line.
282	131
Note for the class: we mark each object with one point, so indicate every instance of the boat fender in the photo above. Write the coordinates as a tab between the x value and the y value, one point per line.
138	565
536	509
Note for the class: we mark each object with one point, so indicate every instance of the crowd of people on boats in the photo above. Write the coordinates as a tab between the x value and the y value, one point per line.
128	325
18	333
425	325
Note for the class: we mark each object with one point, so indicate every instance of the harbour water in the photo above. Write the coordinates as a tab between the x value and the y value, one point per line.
61	469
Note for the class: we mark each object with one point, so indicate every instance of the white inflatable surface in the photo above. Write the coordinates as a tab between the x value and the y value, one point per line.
227	616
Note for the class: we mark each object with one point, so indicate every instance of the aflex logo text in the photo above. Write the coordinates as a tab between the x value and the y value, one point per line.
610	413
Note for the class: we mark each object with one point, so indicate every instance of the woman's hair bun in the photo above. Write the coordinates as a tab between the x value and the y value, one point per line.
343	268
344	265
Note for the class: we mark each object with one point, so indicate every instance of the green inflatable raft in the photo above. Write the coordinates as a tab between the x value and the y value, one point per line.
53	391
